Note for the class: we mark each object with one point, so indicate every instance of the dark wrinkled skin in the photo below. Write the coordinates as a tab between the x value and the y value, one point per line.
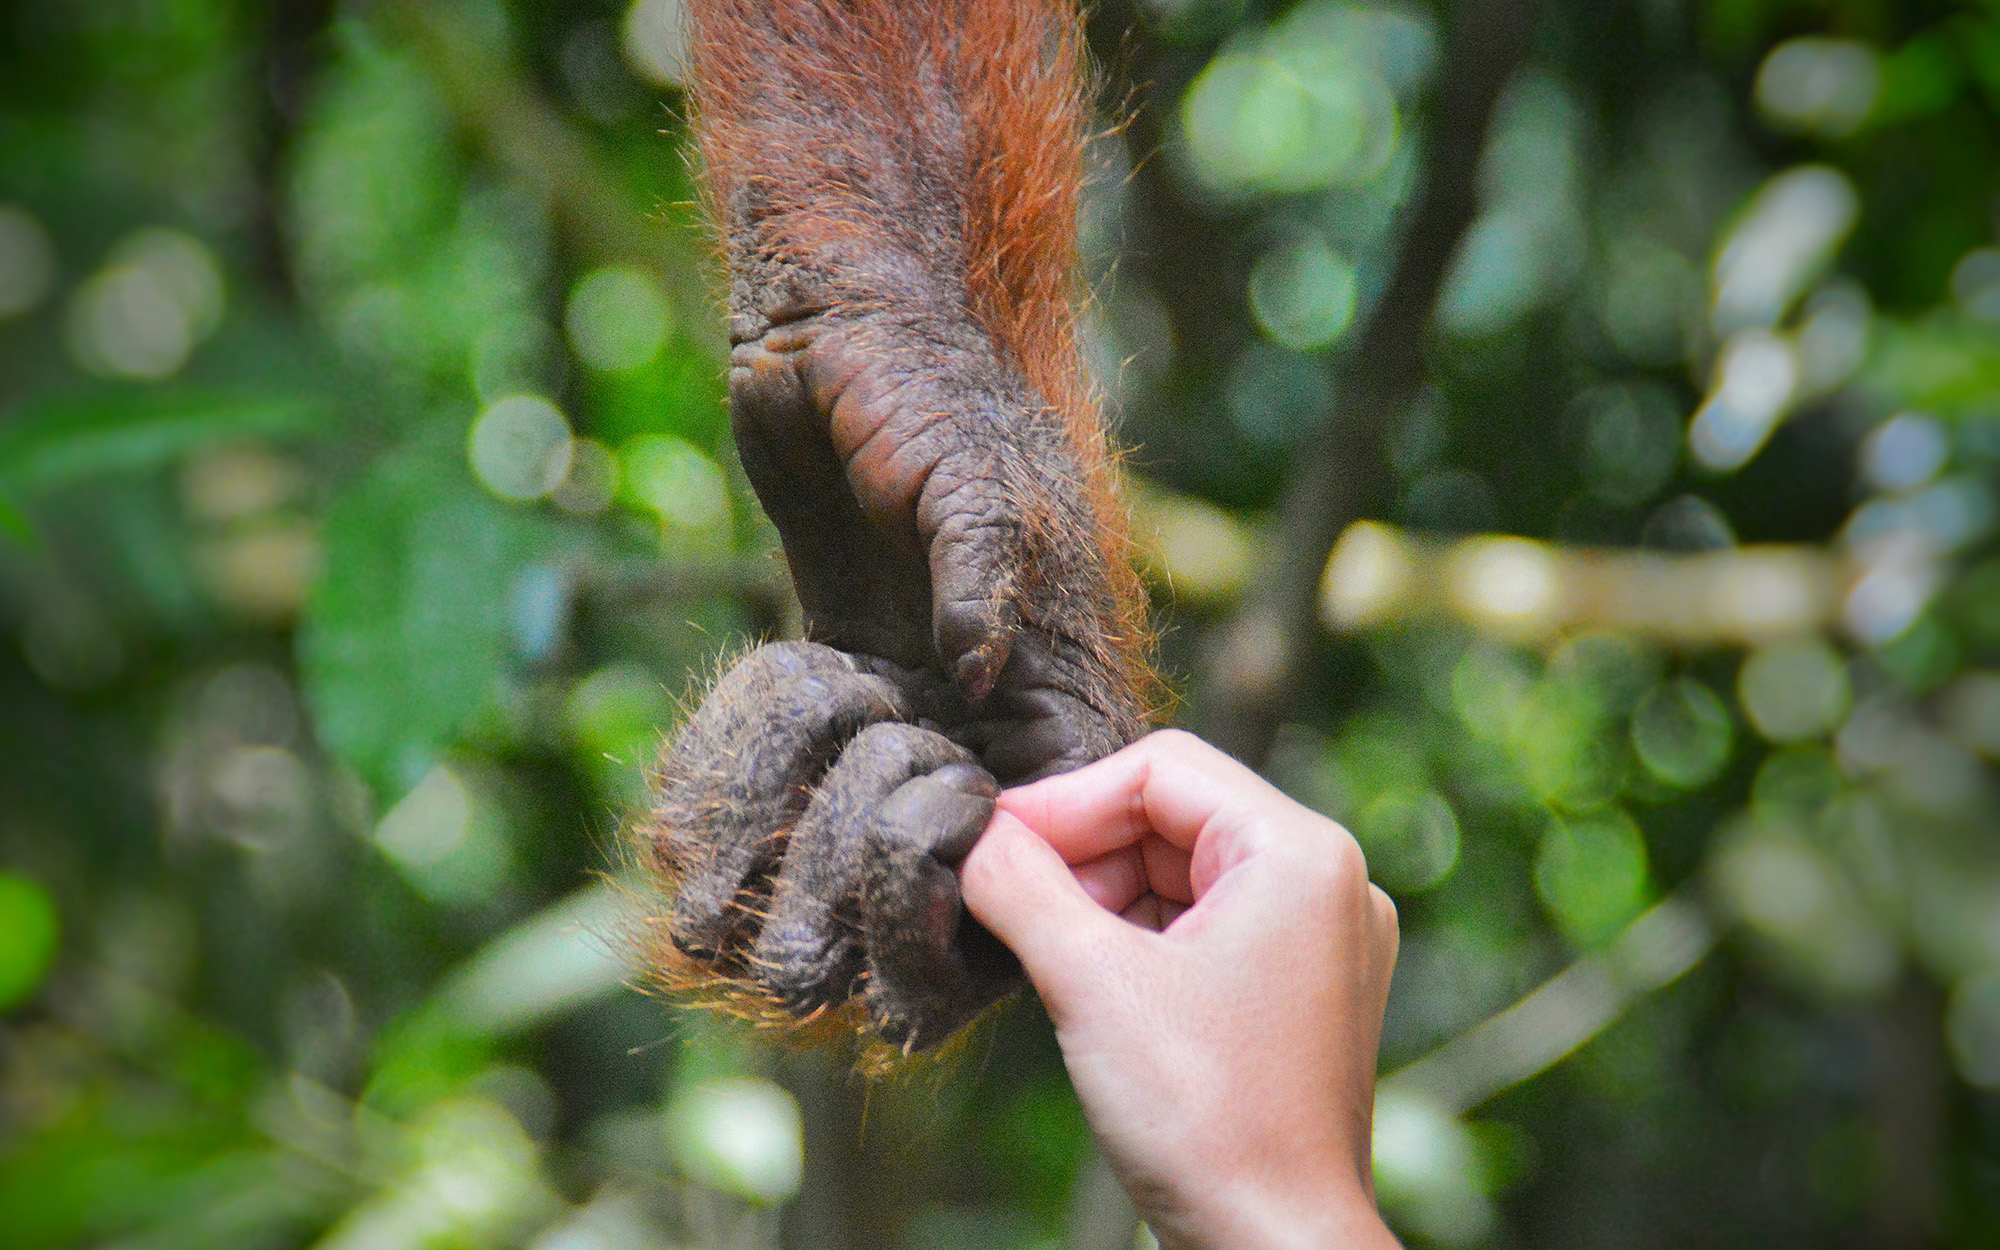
817	807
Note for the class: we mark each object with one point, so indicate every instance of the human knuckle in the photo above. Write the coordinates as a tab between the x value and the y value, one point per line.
984	870
1385	910
1172	745
1342	860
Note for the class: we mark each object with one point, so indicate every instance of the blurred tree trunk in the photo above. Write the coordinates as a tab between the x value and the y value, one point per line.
1243	692
1906	1113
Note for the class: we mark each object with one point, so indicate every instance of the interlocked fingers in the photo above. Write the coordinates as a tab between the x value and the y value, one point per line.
816	836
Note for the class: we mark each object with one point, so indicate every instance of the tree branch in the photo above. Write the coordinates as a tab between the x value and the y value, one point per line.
1552	1021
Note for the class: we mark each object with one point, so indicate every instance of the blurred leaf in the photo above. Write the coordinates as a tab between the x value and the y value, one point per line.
1039	1141
405	639
680	393
1941	364
1919	79
422	1058
375	175
97	1177
143	1148
59	441
13	522
28	932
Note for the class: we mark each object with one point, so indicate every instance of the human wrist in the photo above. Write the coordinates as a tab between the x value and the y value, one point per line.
1258	1217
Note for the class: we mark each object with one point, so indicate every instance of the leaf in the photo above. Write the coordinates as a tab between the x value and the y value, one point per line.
680	393
404	641
14	523
1943	364
119	430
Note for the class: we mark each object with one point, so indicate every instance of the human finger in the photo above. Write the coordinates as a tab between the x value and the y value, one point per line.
1016	885
1168	869
1170	783
1152	912
1152	865
1113	880
1388	927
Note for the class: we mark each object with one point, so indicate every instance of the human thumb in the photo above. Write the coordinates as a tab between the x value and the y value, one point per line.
1015	884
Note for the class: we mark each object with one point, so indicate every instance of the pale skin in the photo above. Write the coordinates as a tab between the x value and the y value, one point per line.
1216	964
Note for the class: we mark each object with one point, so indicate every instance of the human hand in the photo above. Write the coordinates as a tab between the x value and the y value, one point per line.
1216	964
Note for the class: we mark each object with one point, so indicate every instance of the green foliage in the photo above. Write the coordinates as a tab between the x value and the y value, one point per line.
73	439
406	640
28	931
368	511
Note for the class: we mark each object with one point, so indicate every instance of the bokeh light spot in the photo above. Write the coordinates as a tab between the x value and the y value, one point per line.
740	1135
520	447
1833	336
1682	732
1506	583
673	479
430	822
1276	397
618	318
1755	382
1631	441
1688	523
1523	248
1367	577
1591	874
1794	896
1651	296
1794	690
1199	551
1799	779
442	841
1784	239
1975	283
1303	294
157	298
1824	85
1427	1169
1905	451
1288	116
1411	838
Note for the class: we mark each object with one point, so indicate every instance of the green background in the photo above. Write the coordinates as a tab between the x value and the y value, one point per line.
329	664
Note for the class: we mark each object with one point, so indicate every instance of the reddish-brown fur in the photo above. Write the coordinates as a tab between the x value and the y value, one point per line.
1008	76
